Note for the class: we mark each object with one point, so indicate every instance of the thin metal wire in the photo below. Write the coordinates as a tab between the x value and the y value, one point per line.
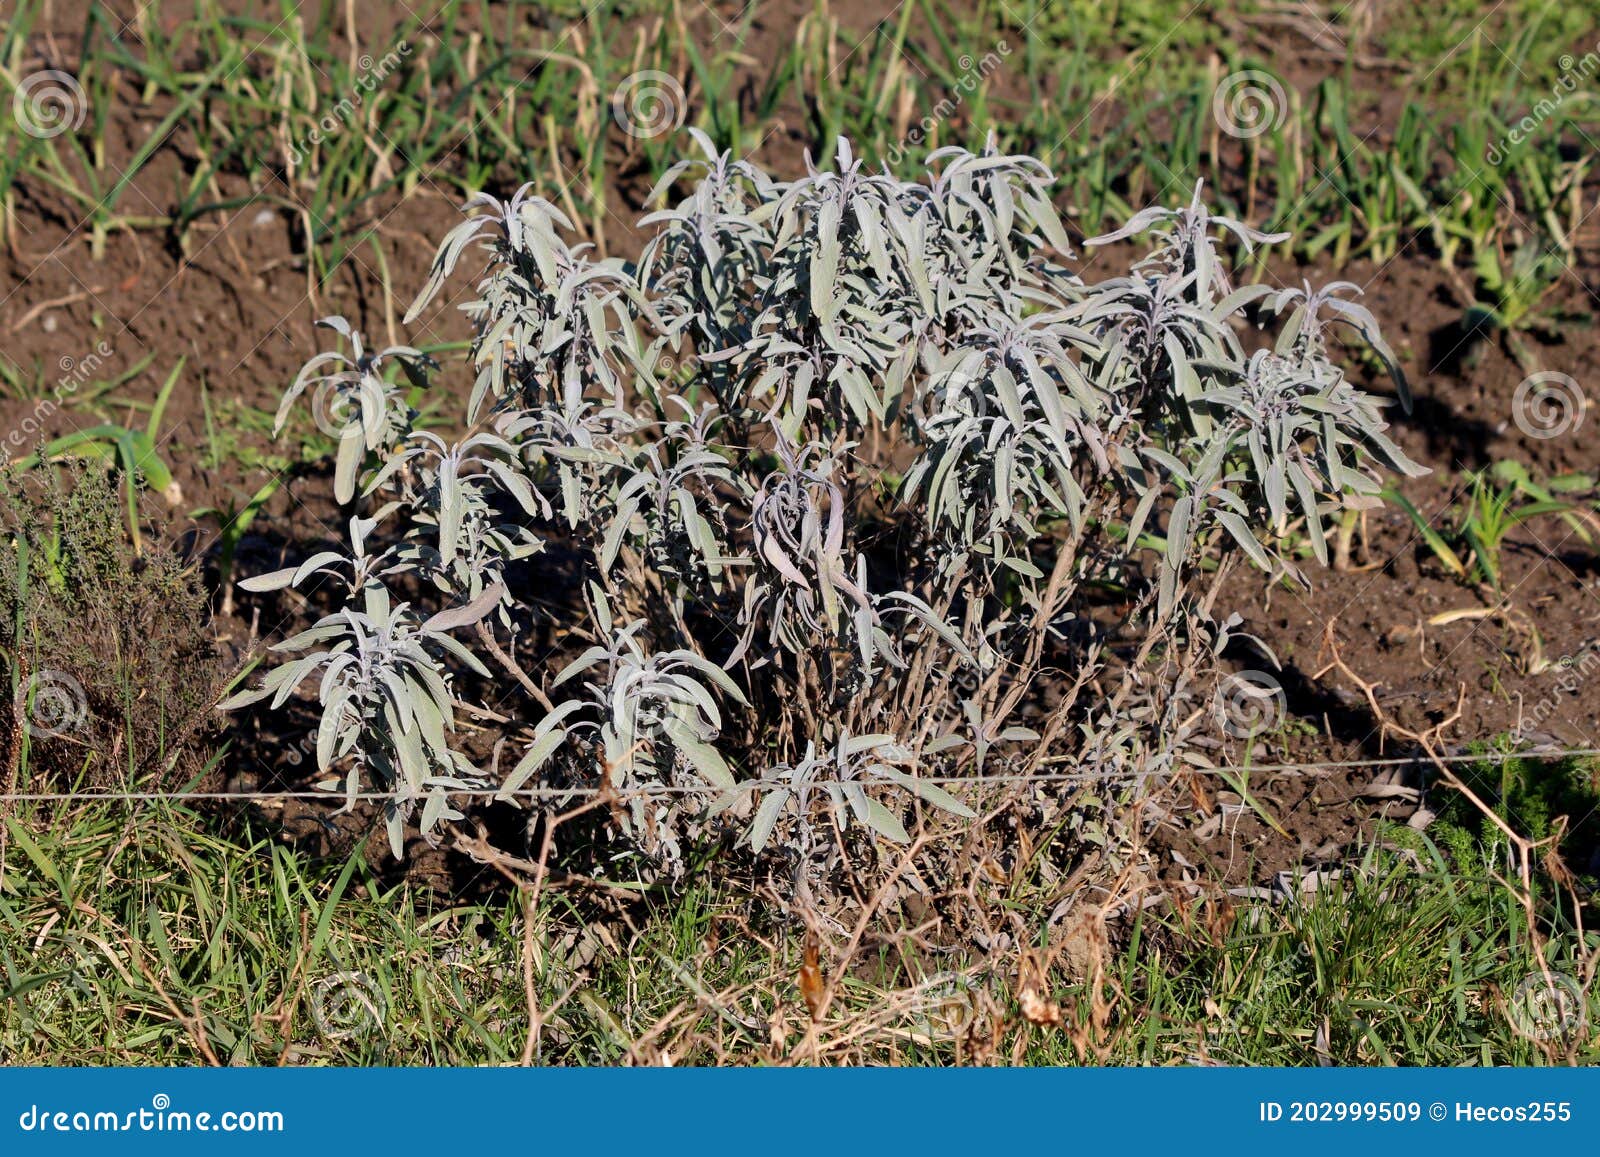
753	785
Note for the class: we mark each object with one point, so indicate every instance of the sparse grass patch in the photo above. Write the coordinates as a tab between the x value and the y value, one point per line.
141	937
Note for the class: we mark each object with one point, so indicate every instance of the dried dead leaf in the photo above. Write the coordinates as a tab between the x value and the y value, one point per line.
1037	1009
810	978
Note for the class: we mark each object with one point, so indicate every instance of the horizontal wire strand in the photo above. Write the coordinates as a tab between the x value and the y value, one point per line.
335	796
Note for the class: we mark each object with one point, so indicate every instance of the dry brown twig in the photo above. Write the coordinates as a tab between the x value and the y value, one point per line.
193	1024
513	668
1524	849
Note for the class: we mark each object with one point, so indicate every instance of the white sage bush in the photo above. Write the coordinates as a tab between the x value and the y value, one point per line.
869	495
